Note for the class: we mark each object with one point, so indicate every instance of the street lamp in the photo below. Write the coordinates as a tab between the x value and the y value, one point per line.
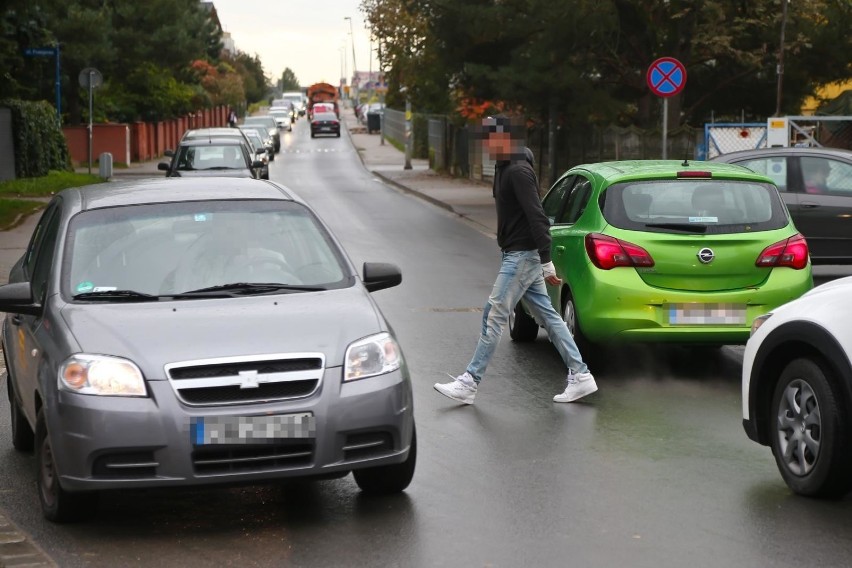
780	69
354	65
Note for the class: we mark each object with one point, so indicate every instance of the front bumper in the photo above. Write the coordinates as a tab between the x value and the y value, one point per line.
115	442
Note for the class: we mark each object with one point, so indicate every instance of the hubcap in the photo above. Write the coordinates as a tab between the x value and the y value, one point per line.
799	427
570	318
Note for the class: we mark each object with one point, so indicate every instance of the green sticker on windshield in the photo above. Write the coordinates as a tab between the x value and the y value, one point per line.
85	287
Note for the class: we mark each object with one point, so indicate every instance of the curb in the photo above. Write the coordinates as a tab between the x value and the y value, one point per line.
17	549
419	194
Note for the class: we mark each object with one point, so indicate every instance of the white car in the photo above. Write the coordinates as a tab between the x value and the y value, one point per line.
797	389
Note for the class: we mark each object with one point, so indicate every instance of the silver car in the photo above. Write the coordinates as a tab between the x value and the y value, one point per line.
199	331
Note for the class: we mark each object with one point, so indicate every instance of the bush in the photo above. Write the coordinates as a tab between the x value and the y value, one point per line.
39	142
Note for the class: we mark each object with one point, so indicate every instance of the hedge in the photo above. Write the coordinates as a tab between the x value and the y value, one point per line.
39	142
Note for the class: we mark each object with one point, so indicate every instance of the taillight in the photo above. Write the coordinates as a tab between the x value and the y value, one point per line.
792	252
607	252
687	174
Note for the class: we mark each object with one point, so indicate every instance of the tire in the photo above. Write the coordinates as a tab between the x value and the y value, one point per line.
23	437
522	327
387	479
809	433
57	504
569	316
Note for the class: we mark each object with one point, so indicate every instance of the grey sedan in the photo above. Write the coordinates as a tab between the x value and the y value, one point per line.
199	331
816	185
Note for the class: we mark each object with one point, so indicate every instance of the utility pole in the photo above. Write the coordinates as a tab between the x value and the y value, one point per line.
354	65
780	68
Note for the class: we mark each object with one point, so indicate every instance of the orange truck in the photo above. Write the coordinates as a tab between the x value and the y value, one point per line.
322	93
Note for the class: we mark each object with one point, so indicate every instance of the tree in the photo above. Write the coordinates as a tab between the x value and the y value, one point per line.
288	81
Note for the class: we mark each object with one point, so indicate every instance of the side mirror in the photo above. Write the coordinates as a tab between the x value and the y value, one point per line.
17	298
380	275
170	153
257	164
163	166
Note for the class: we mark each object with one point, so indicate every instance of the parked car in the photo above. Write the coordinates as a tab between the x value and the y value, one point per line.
668	251
263	132
196	332
325	123
214	132
269	122
816	186
220	157
261	151
797	389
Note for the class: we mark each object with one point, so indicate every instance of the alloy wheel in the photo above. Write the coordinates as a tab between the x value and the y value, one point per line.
799	427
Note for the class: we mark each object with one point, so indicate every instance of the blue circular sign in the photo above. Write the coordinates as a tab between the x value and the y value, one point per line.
666	77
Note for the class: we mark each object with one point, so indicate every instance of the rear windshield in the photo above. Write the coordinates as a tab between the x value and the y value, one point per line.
694	206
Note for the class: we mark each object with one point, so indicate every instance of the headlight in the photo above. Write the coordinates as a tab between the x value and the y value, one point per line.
759	321
371	356
101	375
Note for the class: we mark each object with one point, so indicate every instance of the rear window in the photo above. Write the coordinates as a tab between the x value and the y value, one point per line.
694	206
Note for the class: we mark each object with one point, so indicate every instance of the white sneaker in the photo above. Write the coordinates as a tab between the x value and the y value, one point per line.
576	387
462	389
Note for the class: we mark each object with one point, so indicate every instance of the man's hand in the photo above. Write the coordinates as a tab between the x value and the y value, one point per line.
549	273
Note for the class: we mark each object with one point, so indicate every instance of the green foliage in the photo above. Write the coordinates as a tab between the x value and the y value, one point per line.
288	81
13	211
39	142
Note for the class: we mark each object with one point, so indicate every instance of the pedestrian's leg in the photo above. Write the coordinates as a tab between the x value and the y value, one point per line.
508	288
538	302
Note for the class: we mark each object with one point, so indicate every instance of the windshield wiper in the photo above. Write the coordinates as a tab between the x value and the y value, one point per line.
246	288
119	295
687	227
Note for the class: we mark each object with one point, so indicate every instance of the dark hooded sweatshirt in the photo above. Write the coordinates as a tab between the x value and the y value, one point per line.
521	222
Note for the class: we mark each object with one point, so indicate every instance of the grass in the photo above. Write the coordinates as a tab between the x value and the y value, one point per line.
13	211
46	186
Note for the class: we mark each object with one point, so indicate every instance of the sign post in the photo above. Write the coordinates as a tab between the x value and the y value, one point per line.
50	52
666	77
90	78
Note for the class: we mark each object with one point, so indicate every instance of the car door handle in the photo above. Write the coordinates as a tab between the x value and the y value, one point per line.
559	249
809	205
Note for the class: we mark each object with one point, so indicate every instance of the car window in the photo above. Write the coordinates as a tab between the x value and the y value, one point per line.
700	206
826	176
44	256
210	157
176	247
774	167
577	201
555	198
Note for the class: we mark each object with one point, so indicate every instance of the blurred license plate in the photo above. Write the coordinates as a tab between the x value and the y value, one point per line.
707	314
251	429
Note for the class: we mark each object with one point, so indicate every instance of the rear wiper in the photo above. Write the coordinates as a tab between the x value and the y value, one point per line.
120	295
687	227
246	288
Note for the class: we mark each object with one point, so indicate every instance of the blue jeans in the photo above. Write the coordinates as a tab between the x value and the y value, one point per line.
521	277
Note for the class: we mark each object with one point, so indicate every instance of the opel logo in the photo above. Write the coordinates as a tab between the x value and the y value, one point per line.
706	255
248	380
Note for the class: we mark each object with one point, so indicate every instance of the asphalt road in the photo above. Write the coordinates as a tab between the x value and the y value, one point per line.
653	470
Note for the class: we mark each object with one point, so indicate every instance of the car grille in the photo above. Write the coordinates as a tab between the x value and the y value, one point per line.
241	380
217	460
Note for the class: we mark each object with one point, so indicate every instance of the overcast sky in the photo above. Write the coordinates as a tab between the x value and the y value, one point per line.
308	36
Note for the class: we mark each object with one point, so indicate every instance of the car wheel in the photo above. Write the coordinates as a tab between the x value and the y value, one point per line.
569	316
57	504
387	479
23	437
810	434
522	326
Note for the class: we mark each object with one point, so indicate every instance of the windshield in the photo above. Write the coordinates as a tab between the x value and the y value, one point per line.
695	206
173	248
210	157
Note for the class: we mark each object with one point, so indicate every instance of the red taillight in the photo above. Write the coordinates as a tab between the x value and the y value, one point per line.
608	252
792	252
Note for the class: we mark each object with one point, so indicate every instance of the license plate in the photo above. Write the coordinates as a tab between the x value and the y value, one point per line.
707	314
210	430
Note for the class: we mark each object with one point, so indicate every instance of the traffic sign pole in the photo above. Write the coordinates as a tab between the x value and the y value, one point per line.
666	77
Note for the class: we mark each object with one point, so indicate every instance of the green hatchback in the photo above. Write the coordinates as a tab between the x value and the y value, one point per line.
668	251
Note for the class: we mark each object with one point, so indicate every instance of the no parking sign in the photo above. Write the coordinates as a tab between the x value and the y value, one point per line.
666	77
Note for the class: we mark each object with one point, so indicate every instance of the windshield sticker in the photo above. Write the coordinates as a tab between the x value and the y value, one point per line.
83	287
703	219
200	217
105	288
